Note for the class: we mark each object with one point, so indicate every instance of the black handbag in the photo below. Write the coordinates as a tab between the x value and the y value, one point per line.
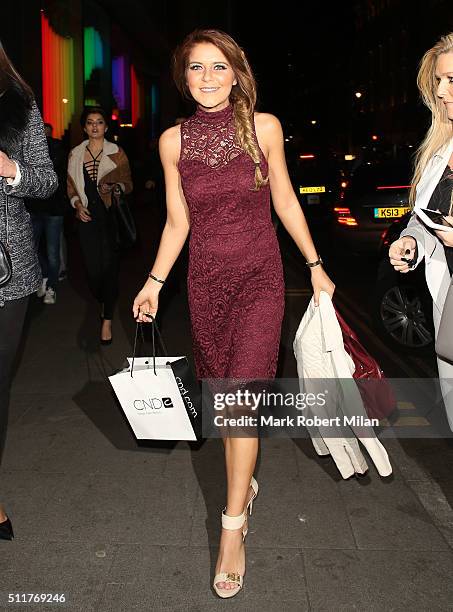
6	266
125	232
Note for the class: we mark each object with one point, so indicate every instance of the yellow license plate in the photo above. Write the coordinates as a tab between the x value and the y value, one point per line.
312	189
390	213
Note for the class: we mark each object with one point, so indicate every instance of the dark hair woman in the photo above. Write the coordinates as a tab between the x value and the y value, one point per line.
221	166
26	171
95	167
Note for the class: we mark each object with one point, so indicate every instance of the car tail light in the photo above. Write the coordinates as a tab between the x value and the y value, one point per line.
380	187
384	238
385	234
349	221
344	216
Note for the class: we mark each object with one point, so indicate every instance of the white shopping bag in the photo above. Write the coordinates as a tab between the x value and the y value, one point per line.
152	401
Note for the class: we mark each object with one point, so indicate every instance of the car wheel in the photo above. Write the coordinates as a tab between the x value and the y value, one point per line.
405	318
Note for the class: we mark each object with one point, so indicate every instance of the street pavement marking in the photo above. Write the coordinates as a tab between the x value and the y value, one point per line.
405	405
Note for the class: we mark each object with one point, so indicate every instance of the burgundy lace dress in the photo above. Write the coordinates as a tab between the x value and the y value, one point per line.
235	279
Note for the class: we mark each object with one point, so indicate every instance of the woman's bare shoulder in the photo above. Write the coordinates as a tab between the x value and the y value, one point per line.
267	122
268	131
170	143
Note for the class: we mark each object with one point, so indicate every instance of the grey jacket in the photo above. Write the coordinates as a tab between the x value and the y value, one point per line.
38	180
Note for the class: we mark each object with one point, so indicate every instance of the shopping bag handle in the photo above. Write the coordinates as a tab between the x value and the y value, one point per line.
154	327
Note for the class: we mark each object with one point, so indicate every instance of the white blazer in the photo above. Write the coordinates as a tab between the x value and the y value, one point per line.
429	245
431	249
320	354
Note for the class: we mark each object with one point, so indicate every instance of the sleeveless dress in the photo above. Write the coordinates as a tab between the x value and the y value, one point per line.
235	277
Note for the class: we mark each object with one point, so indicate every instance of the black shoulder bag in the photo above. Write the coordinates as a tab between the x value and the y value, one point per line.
6	266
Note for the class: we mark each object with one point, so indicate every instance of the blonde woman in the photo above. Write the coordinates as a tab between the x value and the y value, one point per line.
432	187
221	166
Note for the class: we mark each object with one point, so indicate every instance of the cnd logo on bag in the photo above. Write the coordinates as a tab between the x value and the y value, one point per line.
186	397
152	404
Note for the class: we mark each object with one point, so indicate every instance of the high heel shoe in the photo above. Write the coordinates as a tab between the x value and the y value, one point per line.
233	523
6	530
249	507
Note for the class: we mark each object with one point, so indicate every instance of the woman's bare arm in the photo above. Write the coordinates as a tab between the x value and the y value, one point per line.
286	204
176	227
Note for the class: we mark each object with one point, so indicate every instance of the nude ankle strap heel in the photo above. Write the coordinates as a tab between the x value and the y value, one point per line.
233	523
254	486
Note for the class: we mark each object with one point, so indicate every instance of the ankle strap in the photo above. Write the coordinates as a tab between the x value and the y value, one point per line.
232	522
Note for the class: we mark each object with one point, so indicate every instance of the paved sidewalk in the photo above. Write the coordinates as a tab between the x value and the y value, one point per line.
118	526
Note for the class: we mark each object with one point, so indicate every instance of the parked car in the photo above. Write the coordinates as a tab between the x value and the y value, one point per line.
317	181
402	304
376	194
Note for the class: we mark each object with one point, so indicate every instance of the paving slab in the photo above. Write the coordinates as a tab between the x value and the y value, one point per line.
77	571
373	581
386	514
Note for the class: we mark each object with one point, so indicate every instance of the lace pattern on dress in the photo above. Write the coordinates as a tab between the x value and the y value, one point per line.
210	140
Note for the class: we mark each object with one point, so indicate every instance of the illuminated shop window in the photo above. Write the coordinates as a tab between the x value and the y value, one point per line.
57	78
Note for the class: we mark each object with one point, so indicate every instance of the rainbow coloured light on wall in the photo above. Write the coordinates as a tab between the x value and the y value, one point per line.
57	78
137	98
92	52
121	81
154	98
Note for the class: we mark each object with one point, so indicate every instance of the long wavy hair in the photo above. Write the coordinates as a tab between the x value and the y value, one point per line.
243	95
15	103
441	128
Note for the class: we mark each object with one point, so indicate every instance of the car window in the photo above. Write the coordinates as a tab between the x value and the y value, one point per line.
316	171
372	176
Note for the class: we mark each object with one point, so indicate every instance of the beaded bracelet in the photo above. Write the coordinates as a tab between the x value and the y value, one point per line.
155	278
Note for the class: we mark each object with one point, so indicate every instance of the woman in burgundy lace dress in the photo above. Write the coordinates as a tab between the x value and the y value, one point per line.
221	166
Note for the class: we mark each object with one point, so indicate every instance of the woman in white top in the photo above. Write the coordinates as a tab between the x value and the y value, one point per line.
432	187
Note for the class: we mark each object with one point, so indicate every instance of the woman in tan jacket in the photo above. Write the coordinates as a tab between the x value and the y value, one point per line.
95	166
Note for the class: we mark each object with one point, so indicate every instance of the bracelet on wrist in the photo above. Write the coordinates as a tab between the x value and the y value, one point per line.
156	279
312	264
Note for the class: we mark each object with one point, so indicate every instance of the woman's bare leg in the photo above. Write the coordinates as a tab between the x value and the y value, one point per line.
240	460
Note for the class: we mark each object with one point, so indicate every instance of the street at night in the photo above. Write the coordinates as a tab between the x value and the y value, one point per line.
118	525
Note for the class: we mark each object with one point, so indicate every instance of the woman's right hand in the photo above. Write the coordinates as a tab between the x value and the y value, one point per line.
403	247
146	302
82	213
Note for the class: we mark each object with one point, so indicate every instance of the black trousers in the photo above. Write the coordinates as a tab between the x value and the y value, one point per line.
100	257
12	316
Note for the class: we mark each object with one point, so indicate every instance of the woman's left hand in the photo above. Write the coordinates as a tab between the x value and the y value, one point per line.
446	237
7	167
321	282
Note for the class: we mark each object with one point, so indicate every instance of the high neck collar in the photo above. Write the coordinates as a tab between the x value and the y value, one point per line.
215	118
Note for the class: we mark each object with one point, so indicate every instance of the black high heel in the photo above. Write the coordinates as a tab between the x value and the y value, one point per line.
6	530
